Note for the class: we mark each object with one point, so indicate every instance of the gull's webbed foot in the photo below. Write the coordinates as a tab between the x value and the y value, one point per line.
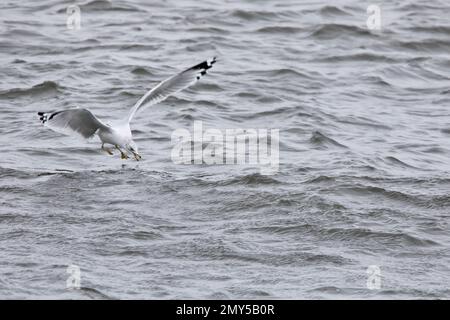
137	156
123	155
107	150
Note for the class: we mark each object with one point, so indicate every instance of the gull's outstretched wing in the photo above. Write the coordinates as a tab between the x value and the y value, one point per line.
72	121
172	85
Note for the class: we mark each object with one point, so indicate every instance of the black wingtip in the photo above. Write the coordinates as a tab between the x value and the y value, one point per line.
205	65
210	62
43	116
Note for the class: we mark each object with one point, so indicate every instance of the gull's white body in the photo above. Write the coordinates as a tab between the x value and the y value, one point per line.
119	135
84	123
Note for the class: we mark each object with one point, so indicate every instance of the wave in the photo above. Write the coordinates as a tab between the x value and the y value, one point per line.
358	57
363	122
251	179
283	72
398	163
334	30
141	71
285	30
376	79
44	88
282	111
209	30
94	294
254	15
333	11
103	5
344	234
23	33
431	29
347	234
321	140
426	45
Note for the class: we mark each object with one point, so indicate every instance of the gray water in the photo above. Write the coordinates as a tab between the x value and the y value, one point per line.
364	175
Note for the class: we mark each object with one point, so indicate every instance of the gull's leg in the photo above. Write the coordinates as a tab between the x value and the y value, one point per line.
137	156
106	149
122	154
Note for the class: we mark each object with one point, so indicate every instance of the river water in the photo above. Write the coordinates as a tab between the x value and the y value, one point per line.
359	207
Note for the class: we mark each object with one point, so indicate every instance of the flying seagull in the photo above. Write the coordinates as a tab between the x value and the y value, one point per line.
82	122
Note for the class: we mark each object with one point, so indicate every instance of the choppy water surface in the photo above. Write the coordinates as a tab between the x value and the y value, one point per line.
364	148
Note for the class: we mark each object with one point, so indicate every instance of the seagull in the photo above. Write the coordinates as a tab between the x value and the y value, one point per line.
82	122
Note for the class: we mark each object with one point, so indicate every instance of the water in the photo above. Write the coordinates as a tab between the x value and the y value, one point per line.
364	151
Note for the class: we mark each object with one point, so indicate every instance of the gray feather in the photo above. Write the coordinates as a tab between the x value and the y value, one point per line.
78	121
172	85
